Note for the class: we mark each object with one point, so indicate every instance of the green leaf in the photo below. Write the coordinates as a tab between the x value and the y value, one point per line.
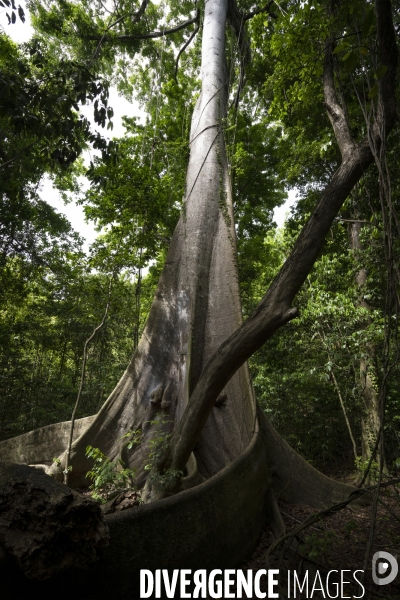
369	19
340	47
373	91
380	72
351	61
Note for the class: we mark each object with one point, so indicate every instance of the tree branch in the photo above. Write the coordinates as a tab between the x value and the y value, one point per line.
258	11
182	50
335	111
145	36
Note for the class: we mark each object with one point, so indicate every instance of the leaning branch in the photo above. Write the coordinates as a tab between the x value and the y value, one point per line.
275	308
145	36
182	50
71	430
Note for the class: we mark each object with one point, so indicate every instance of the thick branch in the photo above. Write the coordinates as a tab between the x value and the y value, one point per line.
146	36
258	11
335	111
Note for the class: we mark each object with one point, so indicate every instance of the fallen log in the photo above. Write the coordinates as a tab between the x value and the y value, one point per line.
45	527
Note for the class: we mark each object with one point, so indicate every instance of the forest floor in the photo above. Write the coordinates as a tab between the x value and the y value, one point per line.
339	543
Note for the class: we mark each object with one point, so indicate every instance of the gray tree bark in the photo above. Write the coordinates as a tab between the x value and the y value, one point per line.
194	350
196	306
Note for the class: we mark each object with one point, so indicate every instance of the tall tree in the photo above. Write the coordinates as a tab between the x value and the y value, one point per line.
188	376
197	309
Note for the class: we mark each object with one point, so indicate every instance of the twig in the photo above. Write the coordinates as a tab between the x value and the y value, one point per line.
187	43
71	430
327	512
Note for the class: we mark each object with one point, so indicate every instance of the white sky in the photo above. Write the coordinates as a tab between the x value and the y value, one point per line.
21	32
281	213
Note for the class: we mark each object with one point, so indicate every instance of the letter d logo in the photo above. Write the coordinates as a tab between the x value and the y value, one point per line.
381	561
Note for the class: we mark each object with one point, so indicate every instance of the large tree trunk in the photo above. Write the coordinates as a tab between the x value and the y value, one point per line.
196	306
194	350
193	345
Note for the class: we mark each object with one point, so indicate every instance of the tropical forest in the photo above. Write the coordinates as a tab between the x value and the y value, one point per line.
203	399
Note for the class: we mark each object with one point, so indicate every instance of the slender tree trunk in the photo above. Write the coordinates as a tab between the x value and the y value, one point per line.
370	419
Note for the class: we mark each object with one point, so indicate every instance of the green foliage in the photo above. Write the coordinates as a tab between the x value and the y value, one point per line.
57	463
363	465
316	545
132	438
159	444
109	477
42	334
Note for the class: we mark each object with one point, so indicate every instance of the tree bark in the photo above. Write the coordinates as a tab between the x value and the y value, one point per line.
370	418
196	306
193	346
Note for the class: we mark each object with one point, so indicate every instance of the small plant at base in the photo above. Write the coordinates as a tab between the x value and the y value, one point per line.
362	465
168	480
109	476
58	464
159	444
133	437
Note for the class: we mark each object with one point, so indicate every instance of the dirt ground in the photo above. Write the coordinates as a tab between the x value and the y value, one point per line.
336	543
